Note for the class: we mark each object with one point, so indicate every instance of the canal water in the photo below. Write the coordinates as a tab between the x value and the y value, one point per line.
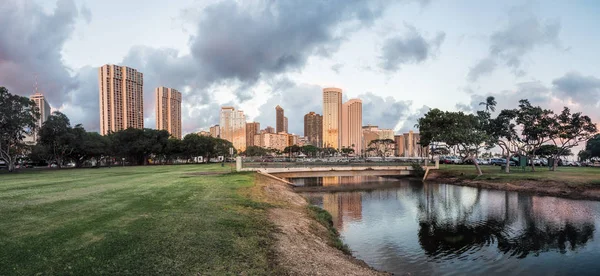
405	227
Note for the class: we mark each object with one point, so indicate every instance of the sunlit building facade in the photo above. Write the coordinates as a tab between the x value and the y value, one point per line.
352	125
168	110
121	98
332	117
233	127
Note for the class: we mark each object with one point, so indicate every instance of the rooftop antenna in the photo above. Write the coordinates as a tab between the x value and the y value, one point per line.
35	85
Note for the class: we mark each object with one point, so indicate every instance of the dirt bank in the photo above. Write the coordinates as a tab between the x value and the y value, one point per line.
540	187
303	246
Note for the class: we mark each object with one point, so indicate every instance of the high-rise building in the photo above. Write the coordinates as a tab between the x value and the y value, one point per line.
251	130
412	148
203	133
269	129
371	133
278	141
313	128
285	124
44	109
121	98
399	139
352	125
215	131
233	127
279	119
168	110
332	117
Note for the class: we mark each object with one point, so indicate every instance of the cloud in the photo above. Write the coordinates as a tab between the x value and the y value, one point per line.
484	67
584	90
296	100
246	42
337	67
412	47
536	92
522	33
31	42
384	112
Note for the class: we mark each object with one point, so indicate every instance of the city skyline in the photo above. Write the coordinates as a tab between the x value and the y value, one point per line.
401	59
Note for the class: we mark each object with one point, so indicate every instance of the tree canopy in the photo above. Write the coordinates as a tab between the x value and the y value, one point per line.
18	117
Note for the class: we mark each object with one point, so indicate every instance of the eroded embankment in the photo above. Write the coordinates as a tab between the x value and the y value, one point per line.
303	246
540	187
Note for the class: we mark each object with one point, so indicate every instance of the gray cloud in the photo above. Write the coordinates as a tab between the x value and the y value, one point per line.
296	100
581	89
242	43
412	47
522	34
484	67
31	42
337	67
536	92
383	112
411	120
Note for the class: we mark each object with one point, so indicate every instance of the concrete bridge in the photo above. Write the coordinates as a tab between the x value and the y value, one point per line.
294	170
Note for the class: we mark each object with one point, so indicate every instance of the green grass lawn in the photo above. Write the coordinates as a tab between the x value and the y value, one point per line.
133	220
571	175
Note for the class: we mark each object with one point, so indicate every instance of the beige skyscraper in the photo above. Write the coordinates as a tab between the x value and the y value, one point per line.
352	125
285	124
215	131
121	98
233	127
168	110
332	117
279	119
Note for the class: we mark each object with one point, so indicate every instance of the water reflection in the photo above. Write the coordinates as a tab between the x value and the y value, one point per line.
423	228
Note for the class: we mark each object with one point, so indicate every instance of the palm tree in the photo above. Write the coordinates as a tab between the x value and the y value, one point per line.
490	104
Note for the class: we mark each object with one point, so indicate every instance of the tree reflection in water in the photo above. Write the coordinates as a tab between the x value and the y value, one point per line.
527	225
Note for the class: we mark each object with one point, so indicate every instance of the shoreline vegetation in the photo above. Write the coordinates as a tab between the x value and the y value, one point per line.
566	182
148	220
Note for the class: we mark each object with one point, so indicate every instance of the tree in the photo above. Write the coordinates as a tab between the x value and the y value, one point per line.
381	147
593	146
138	145
59	138
549	150
568	130
535	124
18	117
468	132
584	155
502	132
490	104
347	151
256	151
173	149
310	150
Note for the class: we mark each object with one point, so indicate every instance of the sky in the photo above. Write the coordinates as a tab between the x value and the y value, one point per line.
400	57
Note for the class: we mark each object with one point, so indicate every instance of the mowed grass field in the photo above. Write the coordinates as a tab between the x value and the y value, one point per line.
571	175
152	220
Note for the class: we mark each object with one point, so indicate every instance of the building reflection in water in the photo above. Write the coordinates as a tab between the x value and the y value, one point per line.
343	206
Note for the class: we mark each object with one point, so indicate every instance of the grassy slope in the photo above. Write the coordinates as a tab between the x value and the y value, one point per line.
571	175
133	220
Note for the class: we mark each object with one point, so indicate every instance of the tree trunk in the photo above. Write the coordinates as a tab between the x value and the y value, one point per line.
479	172
555	163
11	165
532	164
507	167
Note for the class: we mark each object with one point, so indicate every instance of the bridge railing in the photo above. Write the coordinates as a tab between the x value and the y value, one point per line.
257	162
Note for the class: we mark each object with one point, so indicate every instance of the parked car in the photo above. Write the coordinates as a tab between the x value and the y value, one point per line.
501	161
